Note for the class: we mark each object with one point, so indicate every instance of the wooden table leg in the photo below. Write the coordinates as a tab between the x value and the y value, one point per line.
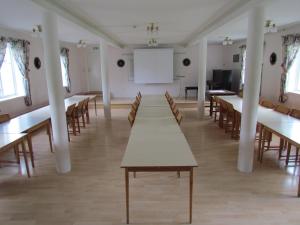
49	136
259	142
29	142
299	187
210	105
25	158
191	194
95	101
127	194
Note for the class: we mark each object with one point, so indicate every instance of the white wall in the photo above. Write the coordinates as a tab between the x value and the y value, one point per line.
38	84
271	73
121	79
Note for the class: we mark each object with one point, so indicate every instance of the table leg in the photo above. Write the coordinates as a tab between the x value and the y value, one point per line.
29	142
95	101
299	187
185	93
127	194
210	105
191	194
259	141
49	136
25	158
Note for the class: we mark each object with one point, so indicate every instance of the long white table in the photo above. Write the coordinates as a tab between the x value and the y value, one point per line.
156	143
35	121
284	126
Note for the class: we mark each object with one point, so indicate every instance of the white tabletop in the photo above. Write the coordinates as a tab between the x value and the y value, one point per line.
28	120
284	125
156	139
154	101
6	139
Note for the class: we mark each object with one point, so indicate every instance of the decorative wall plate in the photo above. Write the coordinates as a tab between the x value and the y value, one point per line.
273	58
121	63
37	62
186	62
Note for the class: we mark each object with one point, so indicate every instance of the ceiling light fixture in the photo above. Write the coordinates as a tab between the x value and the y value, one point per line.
81	44
270	27
152	28
227	41
37	29
152	42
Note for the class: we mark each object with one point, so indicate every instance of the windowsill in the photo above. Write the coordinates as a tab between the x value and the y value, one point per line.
294	92
11	98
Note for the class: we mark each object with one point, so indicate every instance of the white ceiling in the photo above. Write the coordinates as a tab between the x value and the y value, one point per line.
178	19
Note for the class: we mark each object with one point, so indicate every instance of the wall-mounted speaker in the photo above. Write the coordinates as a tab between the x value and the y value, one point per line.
121	63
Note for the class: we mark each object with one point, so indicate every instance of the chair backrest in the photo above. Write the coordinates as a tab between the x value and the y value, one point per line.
131	118
135	106
4	118
175	111
179	118
137	100
229	107
295	113
173	106
171	101
266	103
70	110
282	109
80	106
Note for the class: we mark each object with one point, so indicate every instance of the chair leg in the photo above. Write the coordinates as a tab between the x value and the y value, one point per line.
73	126
297	152
282	145
83	120
288	154
78	124
68	132
49	136
17	153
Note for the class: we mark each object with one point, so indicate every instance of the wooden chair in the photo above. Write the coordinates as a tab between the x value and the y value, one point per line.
179	118
267	104
267	136
79	113
70	116
131	118
85	110
4	118
216	107
139	95
295	113
295	158
135	106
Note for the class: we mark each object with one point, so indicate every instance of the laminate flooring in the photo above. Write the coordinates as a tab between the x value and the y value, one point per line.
93	193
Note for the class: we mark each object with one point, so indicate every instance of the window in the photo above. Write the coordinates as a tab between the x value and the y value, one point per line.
243	67
64	71
11	80
293	75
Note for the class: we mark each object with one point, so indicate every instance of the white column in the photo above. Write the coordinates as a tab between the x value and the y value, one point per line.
105	79
254	55
55	92
202	76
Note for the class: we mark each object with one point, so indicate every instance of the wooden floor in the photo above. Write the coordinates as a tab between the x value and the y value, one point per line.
93	193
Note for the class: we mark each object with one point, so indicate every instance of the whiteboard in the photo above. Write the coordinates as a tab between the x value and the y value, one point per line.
153	66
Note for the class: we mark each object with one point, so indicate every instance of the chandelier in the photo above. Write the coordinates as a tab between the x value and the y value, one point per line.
81	44
227	41
270	27
152	42
152	31
152	28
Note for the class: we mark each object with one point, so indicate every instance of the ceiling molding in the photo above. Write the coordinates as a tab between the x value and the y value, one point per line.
225	15
78	20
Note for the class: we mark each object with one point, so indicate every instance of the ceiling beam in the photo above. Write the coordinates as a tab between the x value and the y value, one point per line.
78	20
224	16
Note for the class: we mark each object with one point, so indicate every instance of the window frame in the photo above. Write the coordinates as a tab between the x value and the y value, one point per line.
14	74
